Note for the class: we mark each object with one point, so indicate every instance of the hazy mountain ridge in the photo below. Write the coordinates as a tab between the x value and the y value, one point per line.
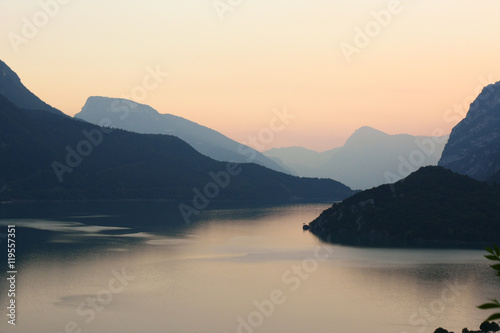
127	165
474	145
366	158
140	118
49	156
301	161
433	206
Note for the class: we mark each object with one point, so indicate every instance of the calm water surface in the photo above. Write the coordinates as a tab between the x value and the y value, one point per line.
138	267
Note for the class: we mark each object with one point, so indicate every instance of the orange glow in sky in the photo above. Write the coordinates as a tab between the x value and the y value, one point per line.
399	66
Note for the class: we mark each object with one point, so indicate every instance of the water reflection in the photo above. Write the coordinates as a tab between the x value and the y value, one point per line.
215	274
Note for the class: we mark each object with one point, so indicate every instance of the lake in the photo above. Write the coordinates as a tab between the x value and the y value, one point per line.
139	267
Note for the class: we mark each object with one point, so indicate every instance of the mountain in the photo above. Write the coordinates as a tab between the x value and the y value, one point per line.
49	157
369	158
474	145
17	93
45	155
140	118
431	207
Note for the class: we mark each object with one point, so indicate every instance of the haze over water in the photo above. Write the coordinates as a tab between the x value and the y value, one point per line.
232	270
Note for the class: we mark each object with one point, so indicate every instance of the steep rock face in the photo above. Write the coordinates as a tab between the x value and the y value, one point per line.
474	145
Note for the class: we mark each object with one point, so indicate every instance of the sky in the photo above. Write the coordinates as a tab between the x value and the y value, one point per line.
401	66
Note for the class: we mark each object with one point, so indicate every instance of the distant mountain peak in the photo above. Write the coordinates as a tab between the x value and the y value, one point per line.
364	135
112	104
140	118
368	129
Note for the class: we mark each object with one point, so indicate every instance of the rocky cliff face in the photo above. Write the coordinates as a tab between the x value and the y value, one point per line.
474	145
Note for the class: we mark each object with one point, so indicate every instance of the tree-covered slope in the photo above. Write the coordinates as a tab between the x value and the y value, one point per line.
431	207
44	156
12	87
